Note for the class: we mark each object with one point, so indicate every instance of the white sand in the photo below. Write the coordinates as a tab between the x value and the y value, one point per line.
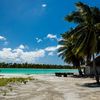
50	87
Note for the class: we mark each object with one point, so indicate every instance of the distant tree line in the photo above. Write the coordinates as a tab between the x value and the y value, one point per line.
42	66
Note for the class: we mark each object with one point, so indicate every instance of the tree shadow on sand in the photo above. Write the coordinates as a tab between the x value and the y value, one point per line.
91	85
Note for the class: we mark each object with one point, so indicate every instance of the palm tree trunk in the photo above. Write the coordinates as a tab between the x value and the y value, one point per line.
79	68
95	71
77	64
80	71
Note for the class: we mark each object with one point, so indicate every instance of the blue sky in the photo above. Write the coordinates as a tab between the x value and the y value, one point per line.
30	29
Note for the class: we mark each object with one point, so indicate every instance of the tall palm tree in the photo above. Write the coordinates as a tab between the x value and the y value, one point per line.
87	31
65	52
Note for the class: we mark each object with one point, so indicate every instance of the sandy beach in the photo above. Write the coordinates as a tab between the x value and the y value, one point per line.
50	87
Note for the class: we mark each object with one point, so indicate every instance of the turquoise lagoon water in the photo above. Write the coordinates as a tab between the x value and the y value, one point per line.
34	71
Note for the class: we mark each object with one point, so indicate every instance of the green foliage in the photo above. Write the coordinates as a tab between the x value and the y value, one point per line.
5	81
86	33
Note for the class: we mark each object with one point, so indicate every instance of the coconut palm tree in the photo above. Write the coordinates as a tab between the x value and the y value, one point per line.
87	32
65	52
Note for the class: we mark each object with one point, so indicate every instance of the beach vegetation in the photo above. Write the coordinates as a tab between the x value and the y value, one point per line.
6	81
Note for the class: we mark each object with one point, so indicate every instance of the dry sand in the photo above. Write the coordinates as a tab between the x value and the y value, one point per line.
50	87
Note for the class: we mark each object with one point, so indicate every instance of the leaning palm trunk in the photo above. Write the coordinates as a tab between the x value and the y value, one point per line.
95	71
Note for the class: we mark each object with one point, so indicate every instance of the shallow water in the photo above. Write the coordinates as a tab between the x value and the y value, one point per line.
34	71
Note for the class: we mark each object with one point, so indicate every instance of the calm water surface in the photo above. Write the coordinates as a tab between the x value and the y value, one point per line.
34	71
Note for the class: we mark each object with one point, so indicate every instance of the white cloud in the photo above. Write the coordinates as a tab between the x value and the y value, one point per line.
44	5
38	40
60	39
19	56
5	42
52	48
51	36
2	38
58	46
21	46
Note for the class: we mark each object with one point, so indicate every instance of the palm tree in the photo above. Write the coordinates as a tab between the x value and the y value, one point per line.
87	32
65	52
